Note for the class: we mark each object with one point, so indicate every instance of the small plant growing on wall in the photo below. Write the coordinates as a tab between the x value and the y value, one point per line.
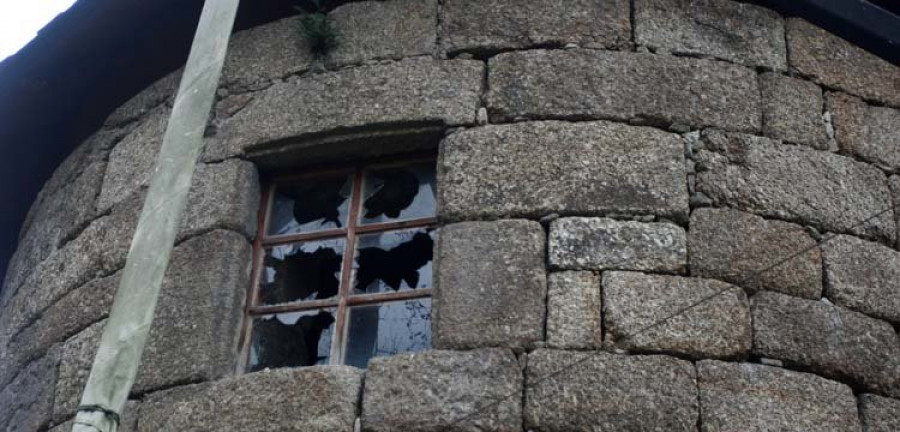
317	29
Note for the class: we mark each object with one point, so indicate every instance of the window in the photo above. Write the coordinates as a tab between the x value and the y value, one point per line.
343	267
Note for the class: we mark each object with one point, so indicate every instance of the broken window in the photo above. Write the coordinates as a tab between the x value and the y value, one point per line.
344	270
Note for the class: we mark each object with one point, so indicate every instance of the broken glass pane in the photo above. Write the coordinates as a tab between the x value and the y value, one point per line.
387	329
394	261
301	271
311	205
399	193
291	339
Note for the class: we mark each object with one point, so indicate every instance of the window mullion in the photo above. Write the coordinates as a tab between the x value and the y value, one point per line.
340	330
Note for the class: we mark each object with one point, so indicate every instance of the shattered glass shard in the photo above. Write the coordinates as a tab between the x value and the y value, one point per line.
396	261
399	194
302	271
312	205
291	339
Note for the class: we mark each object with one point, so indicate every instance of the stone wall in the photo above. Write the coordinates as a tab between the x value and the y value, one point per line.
657	215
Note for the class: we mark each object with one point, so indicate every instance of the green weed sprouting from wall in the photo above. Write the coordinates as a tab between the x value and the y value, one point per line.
318	30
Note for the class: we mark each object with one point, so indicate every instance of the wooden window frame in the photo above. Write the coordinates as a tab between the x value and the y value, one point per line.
349	234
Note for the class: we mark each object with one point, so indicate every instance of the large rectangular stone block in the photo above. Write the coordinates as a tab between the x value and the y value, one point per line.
755	253
261	54
793	110
537	168
578	390
837	63
894	183
142	104
725	29
413	92
99	251
127	423
197	317
608	244
74	312
879	414
692	317
744	397
829	340
574	310
199	312
131	162
863	276
490	26
27	402
93	150
491	285
313	399
625	86
795	183
865	131
222	195
444	391
57	218
392	29
76	359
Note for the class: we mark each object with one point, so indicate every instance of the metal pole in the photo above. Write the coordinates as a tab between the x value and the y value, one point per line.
122	343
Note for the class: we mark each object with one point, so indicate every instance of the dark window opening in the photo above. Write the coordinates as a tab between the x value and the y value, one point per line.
343	268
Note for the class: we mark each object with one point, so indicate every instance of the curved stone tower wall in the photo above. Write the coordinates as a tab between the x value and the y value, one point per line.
656	215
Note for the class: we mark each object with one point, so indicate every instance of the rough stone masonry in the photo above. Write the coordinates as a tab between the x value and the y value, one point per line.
655	215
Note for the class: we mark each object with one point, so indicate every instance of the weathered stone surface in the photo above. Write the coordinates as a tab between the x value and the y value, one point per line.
537	168
197	317
156	408
863	276
748	397
607	244
74	312
480	26
314	399
737	32
646	88
28	400
879	414
93	150
795	183
412	91
867	132
261	54
128	421
443	391
601	391
199	312
491	285
894	183
829	340
837	63
384	30
131	162
574	310
755	253
99	251
223	196
792	110
57	218
649	313
76	359
160	92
